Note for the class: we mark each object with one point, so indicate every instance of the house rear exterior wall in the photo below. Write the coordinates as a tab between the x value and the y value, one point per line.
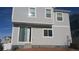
37	36
65	19
59	36
20	14
60	30
15	35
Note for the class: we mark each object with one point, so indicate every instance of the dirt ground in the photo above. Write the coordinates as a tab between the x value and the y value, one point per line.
46	49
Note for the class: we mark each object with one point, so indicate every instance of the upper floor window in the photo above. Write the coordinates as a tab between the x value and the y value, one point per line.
48	13
59	16
32	12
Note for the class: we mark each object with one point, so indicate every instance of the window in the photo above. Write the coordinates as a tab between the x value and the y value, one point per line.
59	16
48	13
24	35
47	32
50	32
32	12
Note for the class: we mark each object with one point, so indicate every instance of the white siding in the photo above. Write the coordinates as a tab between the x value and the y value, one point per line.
59	36
20	14
60	30
38	37
65	17
15	35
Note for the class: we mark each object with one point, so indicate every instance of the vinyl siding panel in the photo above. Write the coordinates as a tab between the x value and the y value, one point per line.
20	14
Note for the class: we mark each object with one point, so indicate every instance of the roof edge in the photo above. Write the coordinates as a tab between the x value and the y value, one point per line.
59	10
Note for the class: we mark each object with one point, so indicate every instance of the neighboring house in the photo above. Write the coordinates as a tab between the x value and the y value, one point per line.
6	41
40	27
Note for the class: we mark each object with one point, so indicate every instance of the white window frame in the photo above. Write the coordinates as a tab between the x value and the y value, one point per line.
48	36
57	17
47	32
29	11
51	13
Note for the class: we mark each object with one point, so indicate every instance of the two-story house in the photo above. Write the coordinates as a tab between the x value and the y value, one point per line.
35	27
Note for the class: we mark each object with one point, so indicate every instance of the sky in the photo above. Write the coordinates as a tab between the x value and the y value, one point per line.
73	10
6	21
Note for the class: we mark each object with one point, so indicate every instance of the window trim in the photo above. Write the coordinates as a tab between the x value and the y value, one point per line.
29	11
57	17
49	32
51	13
48	35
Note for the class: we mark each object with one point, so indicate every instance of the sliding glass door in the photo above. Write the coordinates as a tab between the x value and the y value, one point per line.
25	34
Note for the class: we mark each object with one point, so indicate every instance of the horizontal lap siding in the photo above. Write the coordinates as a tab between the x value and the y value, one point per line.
20	14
